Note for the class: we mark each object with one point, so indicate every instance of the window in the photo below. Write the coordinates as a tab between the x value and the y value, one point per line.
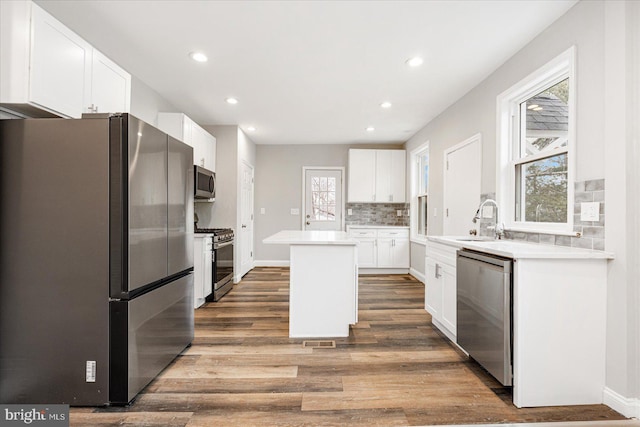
323	198
419	191
535	149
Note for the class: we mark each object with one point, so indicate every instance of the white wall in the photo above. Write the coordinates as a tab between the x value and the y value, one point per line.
598	31
146	103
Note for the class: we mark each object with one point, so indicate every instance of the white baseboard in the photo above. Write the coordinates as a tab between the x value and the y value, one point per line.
415	273
629	407
271	263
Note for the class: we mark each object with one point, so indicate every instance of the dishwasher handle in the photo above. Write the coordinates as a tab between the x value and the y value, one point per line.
495	260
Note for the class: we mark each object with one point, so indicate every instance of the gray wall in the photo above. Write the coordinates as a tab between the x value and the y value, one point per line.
278	188
223	212
604	39
146	103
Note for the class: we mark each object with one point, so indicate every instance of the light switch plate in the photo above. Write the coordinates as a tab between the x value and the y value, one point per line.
590	211
349	211
399	212
295	211
262	211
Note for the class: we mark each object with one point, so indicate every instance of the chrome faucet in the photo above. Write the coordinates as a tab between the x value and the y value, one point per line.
498	227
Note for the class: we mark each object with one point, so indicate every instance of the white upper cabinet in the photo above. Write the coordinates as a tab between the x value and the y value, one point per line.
186	130
47	70
110	87
376	176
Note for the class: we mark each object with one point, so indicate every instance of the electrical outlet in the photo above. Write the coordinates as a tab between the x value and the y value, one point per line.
349	211
435	212
399	212
590	211
295	211
262	211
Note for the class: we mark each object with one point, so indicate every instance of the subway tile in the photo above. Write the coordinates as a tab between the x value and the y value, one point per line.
547	239
598	196
580	242
593	231
563	240
532	237
598	244
594	185
579	187
587	196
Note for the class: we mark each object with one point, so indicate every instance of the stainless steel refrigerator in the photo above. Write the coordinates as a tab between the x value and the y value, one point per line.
96	258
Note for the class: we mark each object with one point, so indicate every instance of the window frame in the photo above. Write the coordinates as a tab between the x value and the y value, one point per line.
416	178
508	139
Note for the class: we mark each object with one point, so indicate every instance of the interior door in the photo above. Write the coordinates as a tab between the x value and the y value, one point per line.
462	186
246	228
323	199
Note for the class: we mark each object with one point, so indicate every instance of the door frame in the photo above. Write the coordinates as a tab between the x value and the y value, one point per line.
341	169
476	137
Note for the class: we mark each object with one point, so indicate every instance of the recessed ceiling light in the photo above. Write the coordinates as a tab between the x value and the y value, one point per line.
251	129
385	104
370	129
415	61
231	101
198	56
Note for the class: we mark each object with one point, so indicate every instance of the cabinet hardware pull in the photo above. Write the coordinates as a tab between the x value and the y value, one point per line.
438	275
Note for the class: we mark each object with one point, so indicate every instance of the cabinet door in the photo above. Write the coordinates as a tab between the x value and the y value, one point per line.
198	144
361	185
385	252
449	298
206	148
401	254
367	257
433	288
60	66
397	180
383	176
110	87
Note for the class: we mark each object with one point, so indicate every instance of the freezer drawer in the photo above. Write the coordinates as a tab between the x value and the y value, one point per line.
147	333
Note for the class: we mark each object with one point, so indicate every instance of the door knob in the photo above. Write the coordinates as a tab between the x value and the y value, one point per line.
308	216
308	223
244	226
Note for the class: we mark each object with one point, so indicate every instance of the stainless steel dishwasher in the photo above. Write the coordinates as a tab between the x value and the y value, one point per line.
484	315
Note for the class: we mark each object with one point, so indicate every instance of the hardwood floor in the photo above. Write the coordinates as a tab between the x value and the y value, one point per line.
394	369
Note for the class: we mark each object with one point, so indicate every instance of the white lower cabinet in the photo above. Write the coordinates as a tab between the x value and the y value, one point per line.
202	268
382	248
440	297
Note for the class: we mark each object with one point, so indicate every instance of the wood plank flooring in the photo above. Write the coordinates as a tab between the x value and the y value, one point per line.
394	369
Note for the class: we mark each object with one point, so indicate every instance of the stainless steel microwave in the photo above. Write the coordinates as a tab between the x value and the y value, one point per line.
204	183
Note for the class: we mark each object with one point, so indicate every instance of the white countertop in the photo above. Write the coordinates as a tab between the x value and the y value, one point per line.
378	226
518	249
300	237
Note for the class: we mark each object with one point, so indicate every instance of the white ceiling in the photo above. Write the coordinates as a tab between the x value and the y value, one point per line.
311	71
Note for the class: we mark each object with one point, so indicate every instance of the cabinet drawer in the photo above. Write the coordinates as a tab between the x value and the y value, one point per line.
443	253
402	233
362	233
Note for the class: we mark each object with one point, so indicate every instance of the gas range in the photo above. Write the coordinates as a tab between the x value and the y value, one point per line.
220	235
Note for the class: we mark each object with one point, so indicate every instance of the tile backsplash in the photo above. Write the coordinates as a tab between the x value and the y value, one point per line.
377	214
591	232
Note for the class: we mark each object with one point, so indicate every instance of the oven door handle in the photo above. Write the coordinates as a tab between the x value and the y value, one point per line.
222	245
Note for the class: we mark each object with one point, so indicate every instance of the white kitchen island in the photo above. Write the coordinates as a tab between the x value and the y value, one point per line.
323	284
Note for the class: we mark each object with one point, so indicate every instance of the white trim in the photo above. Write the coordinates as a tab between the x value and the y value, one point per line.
413	197
556	70
419	241
415	273
629	407
271	263
343	178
